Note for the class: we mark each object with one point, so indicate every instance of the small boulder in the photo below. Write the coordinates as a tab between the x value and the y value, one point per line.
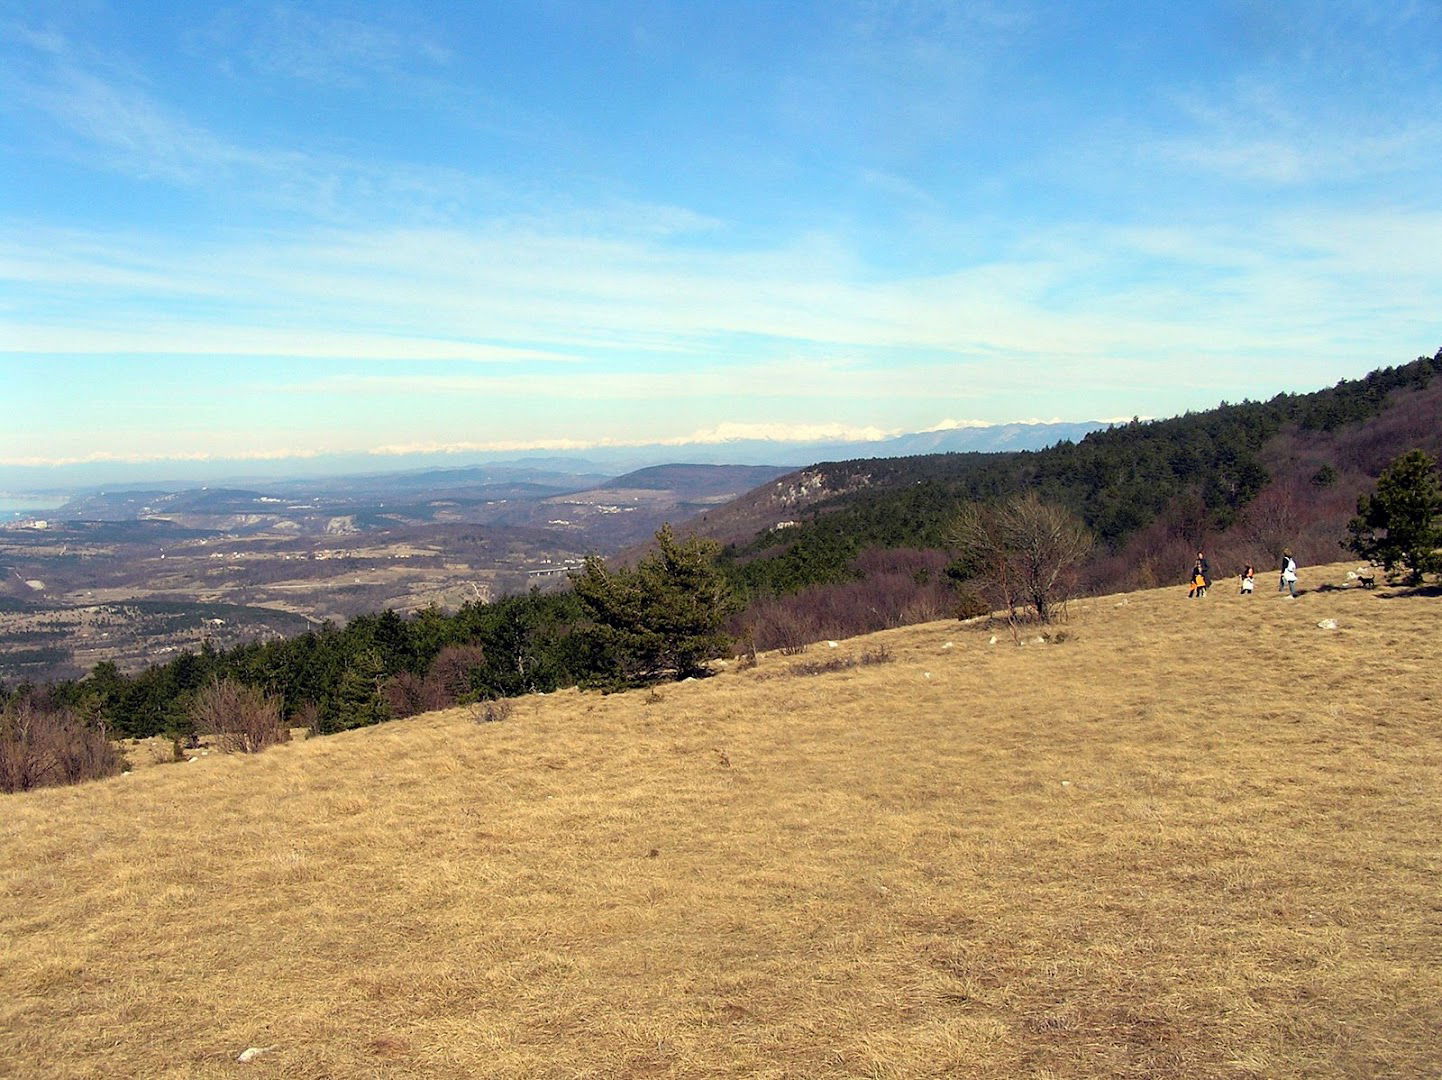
251	1053
1327	624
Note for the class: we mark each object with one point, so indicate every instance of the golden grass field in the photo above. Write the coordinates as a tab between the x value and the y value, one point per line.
1195	839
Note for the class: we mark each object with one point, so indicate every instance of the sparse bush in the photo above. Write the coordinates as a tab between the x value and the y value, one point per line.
492	712
446	683
242	717
746	652
823	667
898	587
449	677
404	694
308	717
41	747
879	655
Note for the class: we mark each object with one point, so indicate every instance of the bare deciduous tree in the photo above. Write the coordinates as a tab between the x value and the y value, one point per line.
1021	552
1271	521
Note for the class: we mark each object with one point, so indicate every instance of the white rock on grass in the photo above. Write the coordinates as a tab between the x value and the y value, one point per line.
251	1053
1327	624
833	644
948	645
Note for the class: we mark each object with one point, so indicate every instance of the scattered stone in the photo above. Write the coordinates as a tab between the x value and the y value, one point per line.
1066	783
1038	641
1327	624
926	674
251	1053
833	644
948	645
993	640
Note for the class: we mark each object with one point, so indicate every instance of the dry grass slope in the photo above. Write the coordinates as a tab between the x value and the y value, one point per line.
1197	839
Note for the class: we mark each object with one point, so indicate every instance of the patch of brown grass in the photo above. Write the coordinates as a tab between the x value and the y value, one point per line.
1199	840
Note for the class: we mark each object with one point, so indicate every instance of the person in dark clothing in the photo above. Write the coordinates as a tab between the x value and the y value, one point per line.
1203	572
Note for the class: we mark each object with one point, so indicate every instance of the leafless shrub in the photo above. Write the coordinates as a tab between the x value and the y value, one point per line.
307	716
898	588
449	677
745	651
492	712
40	747
404	694
447	682
1271	521
879	655
243	718
822	667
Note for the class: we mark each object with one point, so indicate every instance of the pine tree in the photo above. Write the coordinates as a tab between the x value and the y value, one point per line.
662	619
357	700
1400	524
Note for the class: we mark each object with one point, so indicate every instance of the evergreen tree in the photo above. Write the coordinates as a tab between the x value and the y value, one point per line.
356	701
662	619
1400	524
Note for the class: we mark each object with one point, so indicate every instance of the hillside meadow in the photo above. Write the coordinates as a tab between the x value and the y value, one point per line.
1192	839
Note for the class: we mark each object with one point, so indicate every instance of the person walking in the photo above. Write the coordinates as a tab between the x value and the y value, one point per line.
1249	580
1288	583
1204	571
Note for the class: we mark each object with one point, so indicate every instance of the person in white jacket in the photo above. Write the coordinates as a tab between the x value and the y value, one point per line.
1288	582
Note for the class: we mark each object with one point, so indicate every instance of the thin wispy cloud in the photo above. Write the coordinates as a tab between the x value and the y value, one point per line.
1255	134
299	42
576	223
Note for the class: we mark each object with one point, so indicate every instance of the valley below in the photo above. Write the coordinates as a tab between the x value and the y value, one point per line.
136	577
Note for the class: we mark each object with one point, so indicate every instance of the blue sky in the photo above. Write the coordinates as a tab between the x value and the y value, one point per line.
273	229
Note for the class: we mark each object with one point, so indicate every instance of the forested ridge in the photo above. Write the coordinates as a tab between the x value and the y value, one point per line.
1120	481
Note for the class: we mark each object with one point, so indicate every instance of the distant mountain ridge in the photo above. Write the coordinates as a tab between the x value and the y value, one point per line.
587	467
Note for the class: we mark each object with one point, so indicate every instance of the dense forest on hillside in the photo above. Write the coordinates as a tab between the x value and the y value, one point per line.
1208	466
857	562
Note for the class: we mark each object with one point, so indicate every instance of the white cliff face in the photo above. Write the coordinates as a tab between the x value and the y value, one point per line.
810	485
